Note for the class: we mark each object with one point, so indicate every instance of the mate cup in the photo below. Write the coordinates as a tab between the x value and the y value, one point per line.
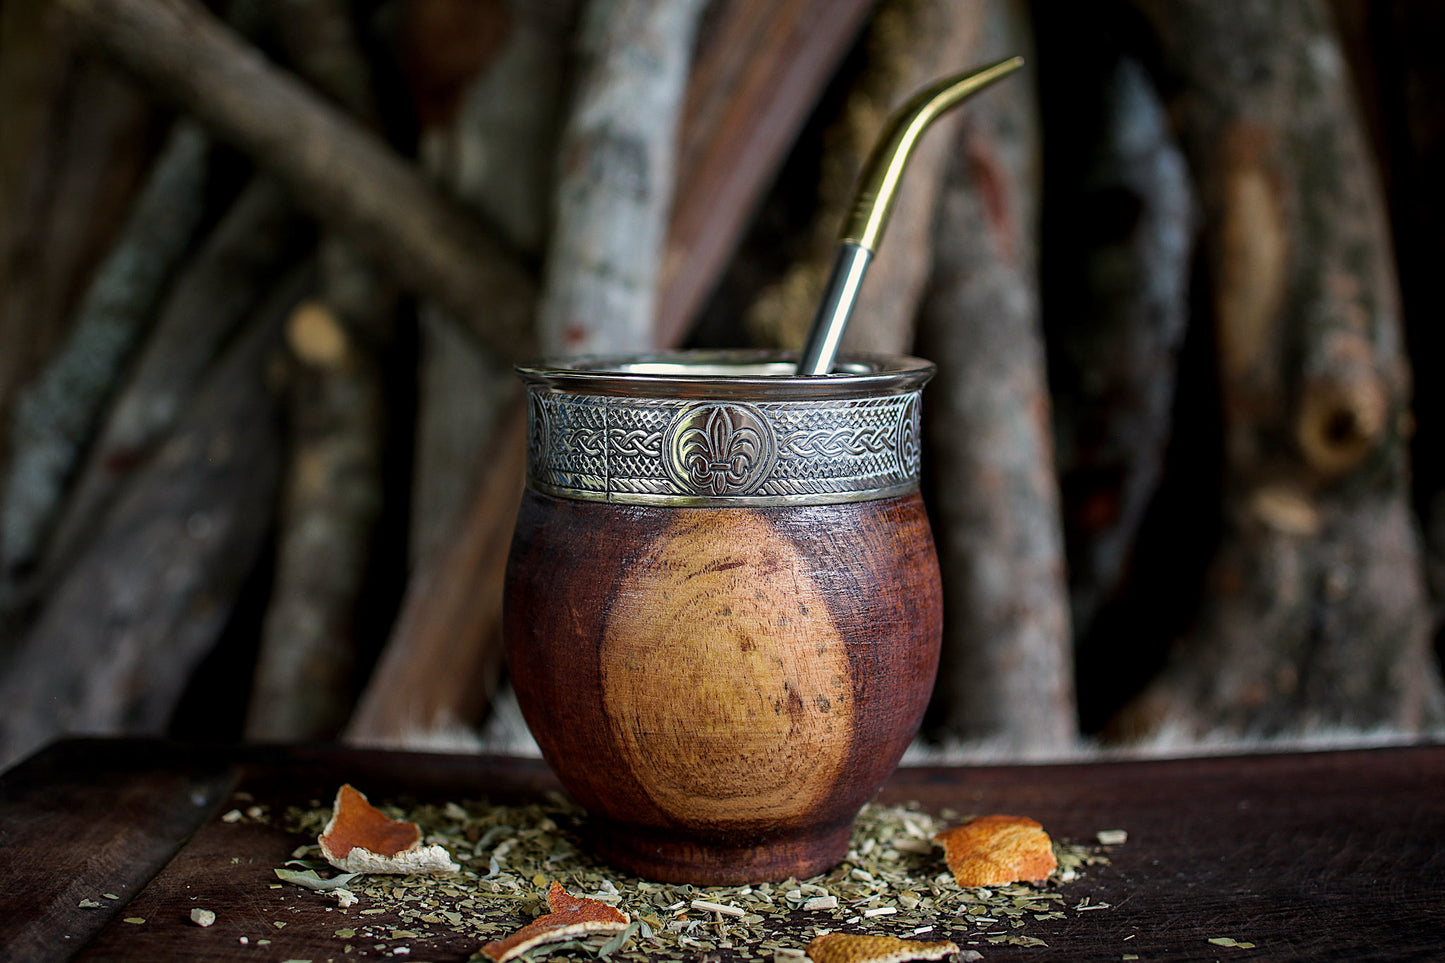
723	608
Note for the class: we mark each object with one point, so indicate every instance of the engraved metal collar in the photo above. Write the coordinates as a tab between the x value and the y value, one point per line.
725	428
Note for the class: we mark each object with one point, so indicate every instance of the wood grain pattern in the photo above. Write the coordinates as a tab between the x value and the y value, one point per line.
1313	398
76	826
717	590
723	688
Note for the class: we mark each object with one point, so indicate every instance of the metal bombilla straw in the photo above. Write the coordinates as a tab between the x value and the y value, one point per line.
873	203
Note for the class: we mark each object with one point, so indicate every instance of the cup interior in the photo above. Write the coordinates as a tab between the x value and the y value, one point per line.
704	369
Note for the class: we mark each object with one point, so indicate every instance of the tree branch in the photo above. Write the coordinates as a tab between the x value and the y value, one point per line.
1006	673
336	171
614	188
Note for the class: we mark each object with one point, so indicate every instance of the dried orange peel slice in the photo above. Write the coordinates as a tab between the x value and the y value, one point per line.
848	948
359	838
994	850
572	917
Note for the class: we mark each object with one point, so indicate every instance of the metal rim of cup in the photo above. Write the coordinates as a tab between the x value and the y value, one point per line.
727	373
723	428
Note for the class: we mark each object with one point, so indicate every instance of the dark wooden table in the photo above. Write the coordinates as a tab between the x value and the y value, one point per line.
1316	856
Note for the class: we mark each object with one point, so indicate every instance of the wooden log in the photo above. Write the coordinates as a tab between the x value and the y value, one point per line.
35	58
77	146
59	411
470	433
118	638
491	105
1314	612
310	649
461	395
1116	309
309	654
338	172
598	292
318	40
908	44
221	286
1006	677
615	181
760	69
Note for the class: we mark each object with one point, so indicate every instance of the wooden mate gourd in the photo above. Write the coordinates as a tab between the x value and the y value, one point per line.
723	608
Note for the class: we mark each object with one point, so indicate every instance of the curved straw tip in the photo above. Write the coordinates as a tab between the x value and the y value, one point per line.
883	170
873	202
1008	65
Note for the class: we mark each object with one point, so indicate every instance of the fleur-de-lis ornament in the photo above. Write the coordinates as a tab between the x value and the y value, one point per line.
720	449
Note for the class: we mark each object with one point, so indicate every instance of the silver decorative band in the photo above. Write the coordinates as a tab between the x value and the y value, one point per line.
674	442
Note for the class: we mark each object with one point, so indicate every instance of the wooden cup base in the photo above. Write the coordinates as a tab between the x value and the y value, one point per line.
671	859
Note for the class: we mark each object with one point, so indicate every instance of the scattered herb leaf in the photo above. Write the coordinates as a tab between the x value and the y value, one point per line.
311	880
893	881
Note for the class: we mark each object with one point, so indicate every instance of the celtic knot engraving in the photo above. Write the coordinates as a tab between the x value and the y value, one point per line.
842	441
720	449
637	442
586	441
723	451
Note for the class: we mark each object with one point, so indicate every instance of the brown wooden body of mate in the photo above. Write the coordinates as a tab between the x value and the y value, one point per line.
722	688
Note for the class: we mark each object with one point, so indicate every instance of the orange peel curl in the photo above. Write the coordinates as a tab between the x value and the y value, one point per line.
359	838
996	850
850	948
572	917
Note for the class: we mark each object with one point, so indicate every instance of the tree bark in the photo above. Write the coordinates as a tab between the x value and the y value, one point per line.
58	413
1314	616
760	68
406	697
117	640
1006	676
306	667
218	290
615	180
491	105
1397	42
77	144
909	43
336	171
462	393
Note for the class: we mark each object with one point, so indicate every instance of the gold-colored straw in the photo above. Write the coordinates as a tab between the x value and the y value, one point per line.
873	203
